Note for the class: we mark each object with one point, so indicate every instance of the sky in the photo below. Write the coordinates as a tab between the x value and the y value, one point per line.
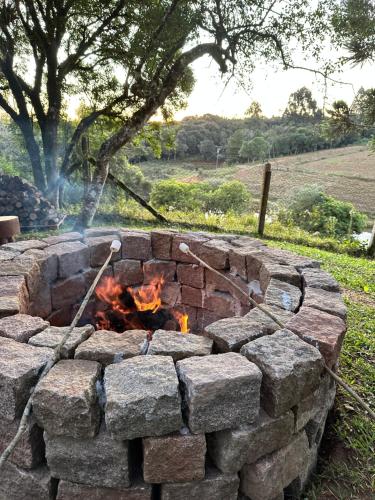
271	87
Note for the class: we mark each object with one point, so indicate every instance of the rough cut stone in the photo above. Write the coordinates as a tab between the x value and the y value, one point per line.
192	296
51	337
61	317
230	449
21	327
159	268
65	401
92	232
21	266
317	403
219	283
230	334
174	458
320	329
219	391
267	477
221	303
48	264
22	246
161	243
20	484
204	318
291	369
109	347
63	238
270	326
255	258
194	241
40	299
330	302
179	345
73	256
99	249
142	397
4	255
128	272
215	253
29	452
237	262
283	295
99	461
191	275
20	365
290	259
74	491
14	296
283	273
136	245
317	278
67	291
90	274
215	486
171	294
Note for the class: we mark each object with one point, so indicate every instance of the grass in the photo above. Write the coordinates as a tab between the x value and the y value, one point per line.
346	468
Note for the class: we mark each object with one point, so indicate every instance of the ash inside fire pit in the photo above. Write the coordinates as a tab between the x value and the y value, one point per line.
235	391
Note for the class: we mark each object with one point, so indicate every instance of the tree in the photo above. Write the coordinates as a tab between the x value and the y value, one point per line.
255	149
254	110
235	142
207	149
301	105
79	47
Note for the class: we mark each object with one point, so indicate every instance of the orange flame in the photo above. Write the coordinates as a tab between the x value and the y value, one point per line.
182	319
146	298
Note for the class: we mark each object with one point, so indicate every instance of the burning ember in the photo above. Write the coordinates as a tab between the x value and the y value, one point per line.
135	308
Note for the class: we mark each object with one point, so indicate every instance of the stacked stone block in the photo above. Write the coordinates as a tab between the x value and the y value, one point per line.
234	409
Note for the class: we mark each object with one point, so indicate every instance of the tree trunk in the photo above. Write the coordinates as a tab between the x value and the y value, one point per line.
34	154
93	194
49	136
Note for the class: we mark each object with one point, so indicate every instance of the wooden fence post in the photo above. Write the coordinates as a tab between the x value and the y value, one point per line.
264	201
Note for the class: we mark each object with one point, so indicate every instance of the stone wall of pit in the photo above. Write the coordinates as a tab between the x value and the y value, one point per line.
235	411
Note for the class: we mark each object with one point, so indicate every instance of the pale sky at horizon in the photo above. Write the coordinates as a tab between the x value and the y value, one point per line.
271	87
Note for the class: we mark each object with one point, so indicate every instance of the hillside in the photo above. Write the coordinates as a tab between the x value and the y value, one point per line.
347	173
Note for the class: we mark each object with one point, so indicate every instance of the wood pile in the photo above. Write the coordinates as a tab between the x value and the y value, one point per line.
20	198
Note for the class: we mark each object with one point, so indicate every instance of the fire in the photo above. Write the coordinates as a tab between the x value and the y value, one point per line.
125	302
148	297
182	319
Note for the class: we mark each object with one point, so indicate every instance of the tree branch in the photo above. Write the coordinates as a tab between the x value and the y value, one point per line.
66	66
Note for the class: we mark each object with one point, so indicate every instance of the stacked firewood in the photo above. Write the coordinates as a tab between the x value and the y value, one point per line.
19	197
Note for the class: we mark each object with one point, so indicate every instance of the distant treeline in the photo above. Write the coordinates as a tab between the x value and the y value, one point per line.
302	128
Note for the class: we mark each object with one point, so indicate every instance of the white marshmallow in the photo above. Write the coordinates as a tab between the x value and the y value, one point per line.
115	245
184	247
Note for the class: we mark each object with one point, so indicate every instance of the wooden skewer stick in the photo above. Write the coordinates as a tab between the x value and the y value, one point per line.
115	247
185	249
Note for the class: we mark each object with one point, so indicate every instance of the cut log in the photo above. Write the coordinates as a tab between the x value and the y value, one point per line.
9	227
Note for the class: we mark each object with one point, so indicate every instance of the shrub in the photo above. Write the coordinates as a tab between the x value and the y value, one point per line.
311	209
231	195
183	196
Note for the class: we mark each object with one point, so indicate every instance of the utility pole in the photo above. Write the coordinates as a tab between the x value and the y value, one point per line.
218	149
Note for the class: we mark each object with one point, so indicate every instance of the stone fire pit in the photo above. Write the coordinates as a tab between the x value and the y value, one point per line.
234	409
